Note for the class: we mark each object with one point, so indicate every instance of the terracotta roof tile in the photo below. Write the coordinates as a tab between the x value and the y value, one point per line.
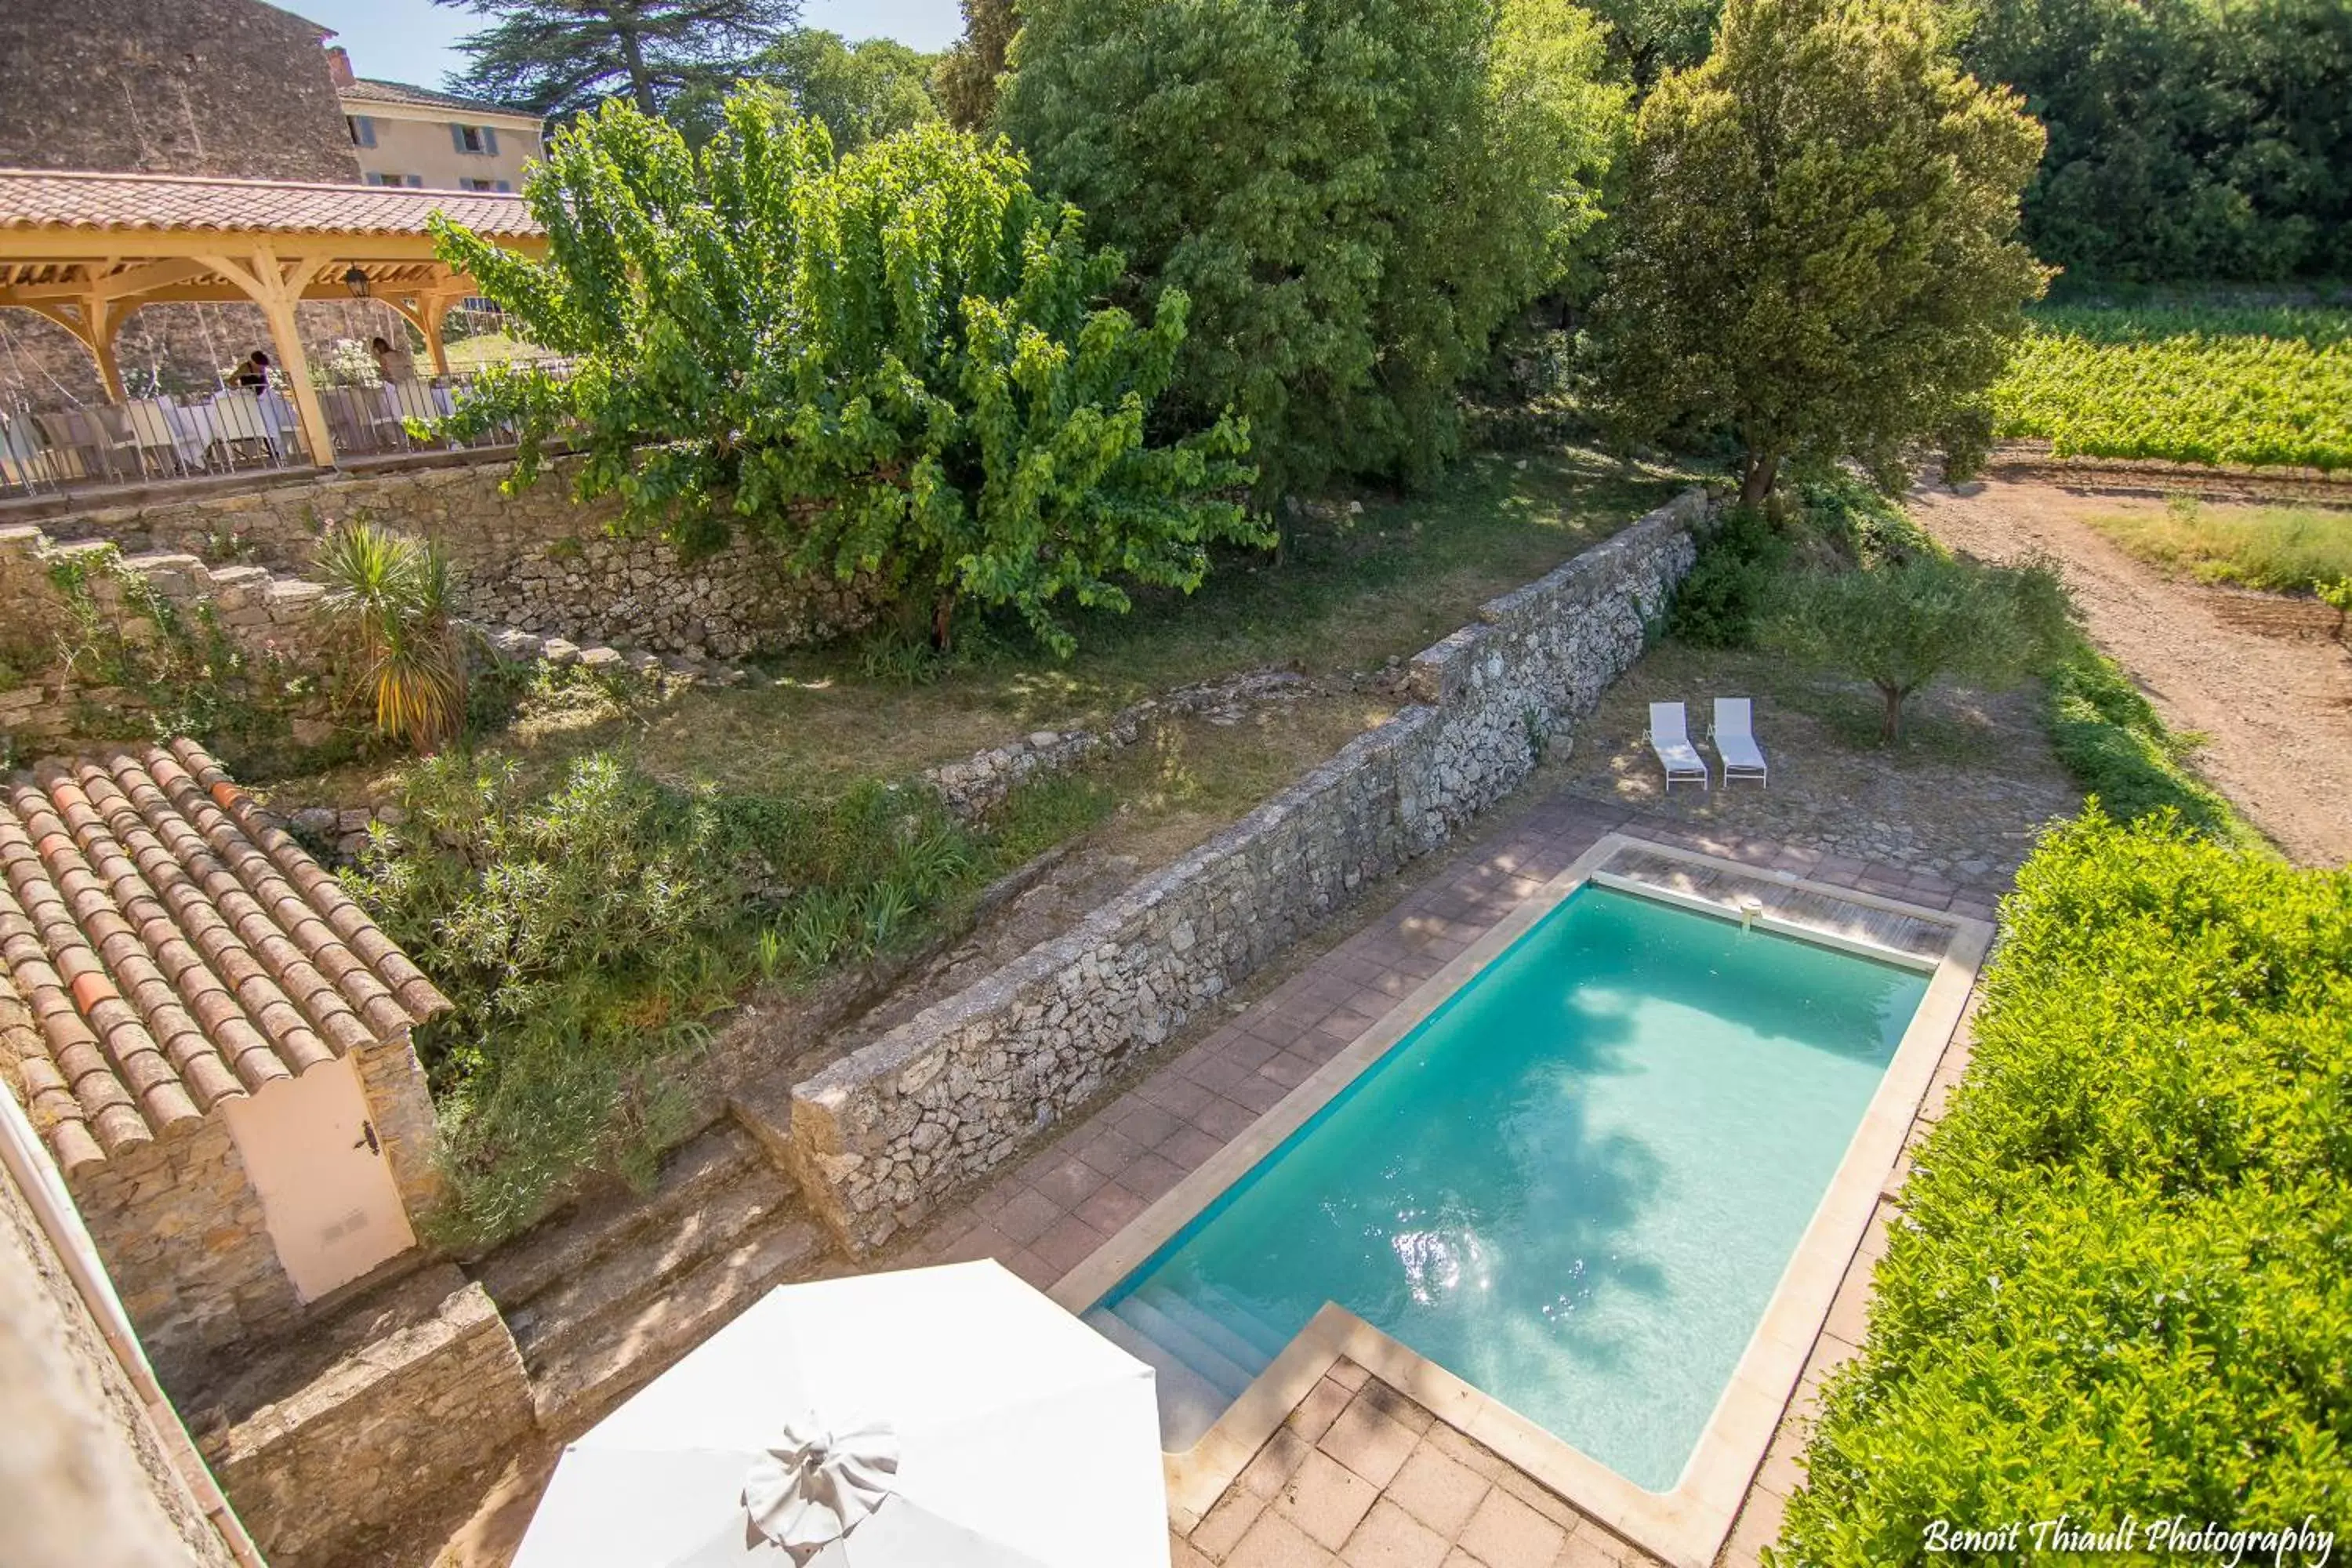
375	90
168	948
40	198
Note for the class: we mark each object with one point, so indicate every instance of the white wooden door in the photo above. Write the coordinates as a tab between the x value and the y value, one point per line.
326	1192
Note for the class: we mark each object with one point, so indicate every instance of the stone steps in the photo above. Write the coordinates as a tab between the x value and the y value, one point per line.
602	1298
592	1369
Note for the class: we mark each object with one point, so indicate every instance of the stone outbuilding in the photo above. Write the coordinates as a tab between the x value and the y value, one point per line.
214	1040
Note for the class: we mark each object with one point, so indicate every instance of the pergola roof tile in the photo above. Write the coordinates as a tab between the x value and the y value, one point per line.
133	203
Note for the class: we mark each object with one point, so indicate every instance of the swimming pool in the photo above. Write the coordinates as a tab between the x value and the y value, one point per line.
1574	1185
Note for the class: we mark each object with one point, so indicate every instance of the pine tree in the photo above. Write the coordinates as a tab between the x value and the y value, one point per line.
967	78
561	57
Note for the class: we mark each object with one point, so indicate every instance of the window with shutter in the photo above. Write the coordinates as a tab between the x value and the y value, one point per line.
504	186
363	129
416	182
490	140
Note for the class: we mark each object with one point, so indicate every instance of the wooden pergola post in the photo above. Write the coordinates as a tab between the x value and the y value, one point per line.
277	286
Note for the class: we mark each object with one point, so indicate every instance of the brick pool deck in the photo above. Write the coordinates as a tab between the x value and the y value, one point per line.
1360	1475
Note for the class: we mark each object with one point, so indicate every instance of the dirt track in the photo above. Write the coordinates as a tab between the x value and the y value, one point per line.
2277	711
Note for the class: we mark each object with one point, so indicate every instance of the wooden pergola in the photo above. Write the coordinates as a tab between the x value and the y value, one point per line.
85	250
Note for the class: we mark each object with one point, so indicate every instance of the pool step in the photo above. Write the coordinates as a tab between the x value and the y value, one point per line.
1264	1339
1215	1368
1189	1403
1207	1326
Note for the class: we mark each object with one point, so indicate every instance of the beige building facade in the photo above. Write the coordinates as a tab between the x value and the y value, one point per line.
410	136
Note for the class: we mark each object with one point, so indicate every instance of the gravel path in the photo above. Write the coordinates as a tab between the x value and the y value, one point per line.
2277	711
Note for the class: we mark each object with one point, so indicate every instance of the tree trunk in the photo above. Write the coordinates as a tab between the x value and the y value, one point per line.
1890	718
1756	476
641	86
943	620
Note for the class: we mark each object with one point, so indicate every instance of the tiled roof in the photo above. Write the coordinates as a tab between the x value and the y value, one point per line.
171	948
39	198
368	90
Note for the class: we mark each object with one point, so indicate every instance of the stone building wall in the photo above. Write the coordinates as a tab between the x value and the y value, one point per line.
400	1107
880	1137
533	561
87	1481
391	1424
178	348
176	87
181	1233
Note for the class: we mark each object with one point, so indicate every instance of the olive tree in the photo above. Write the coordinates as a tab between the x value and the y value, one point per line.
1901	626
1817	248
892	365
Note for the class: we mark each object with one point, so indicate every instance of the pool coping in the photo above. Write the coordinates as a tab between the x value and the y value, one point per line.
1686	1526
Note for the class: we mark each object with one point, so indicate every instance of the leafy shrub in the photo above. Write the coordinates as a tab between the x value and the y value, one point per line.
2118	749
1861	523
894	364
1718	601
585	933
1901	626
2120	1285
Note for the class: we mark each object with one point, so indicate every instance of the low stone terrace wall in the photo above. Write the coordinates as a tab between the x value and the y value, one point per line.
879	1138
74	618
533	561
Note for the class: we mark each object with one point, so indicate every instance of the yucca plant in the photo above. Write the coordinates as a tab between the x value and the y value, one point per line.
390	601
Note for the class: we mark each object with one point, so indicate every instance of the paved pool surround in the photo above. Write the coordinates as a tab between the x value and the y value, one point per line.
1686	1525
881	1137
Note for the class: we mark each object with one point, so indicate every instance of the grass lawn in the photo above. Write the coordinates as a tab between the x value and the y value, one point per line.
2283	549
1344	595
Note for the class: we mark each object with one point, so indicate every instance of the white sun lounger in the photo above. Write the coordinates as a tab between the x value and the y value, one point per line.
1671	739
1735	742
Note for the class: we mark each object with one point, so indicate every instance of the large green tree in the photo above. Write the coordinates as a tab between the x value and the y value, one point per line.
1354	193
559	56
1818	247
893	364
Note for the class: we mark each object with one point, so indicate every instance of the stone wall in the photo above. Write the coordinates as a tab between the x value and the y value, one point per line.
87	1480
59	673
181	1233
533	561
178	87
880	1137
393	1423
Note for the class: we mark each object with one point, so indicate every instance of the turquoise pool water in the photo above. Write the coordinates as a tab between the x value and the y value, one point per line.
1574	1186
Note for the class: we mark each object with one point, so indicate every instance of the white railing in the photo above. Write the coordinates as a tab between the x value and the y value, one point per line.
89	445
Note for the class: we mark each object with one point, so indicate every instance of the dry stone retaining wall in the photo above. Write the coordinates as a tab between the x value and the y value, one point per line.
533	561
388	1427
880	1137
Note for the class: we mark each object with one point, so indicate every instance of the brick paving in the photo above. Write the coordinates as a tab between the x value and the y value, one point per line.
1360	1475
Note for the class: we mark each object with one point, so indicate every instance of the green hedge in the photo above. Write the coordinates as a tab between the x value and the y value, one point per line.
2122	1284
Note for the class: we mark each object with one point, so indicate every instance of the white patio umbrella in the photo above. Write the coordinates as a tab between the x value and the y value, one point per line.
947	1417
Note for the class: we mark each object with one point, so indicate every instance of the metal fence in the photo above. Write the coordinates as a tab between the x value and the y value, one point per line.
91	446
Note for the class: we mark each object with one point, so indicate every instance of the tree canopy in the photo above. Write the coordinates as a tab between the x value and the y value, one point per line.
1817	248
561	57
1353	193
892	365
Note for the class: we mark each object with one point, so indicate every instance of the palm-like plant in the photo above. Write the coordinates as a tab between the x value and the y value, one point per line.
390	601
